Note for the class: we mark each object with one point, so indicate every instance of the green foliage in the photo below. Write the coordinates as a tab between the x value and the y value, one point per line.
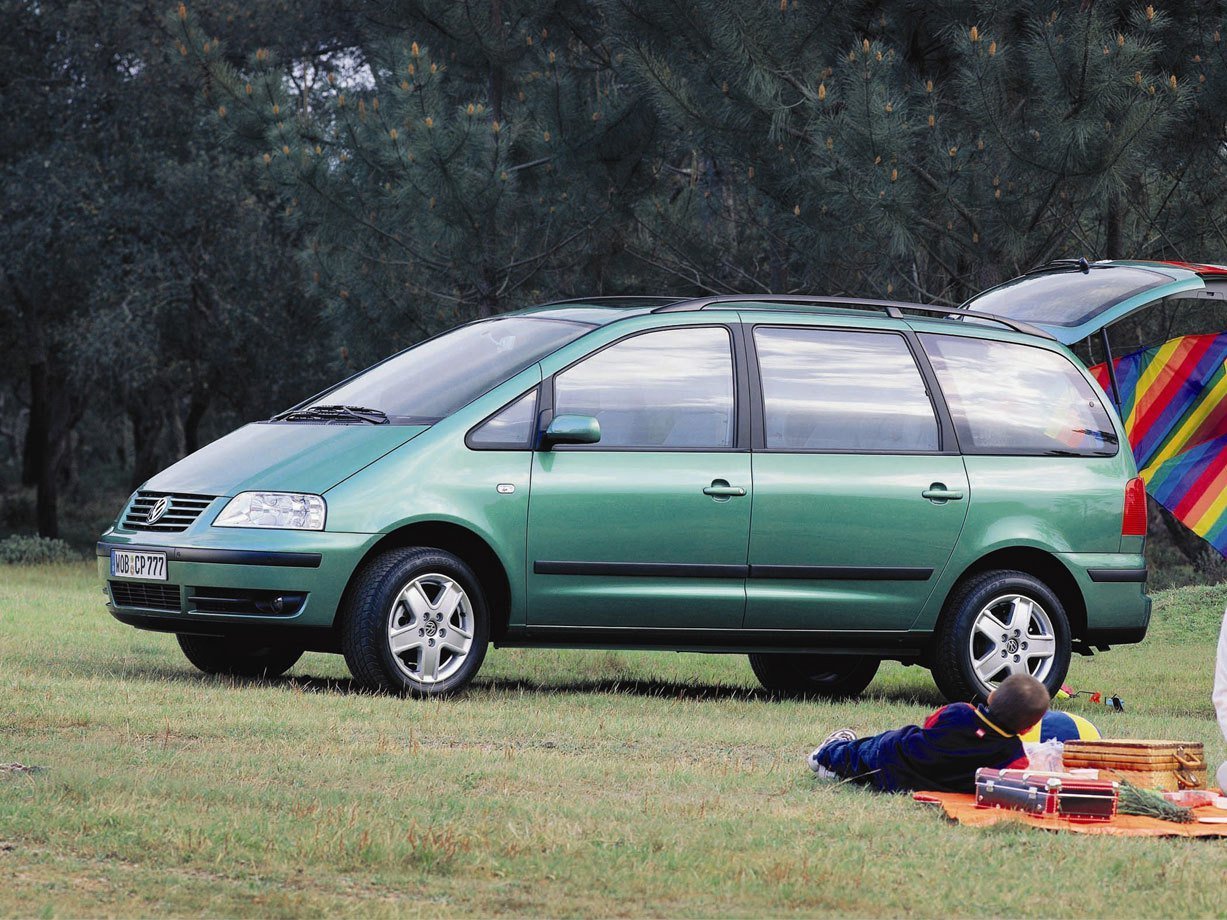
34	550
213	209
146	279
928	153
460	159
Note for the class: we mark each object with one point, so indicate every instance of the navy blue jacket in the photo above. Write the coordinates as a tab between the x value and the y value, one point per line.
942	756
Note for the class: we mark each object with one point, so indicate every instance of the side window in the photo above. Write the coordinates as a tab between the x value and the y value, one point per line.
510	427
1007	398
667	389
830	389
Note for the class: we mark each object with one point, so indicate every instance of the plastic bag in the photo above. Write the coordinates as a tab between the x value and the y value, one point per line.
1045	756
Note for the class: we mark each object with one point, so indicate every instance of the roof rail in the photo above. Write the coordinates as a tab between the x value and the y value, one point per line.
891	308
663	299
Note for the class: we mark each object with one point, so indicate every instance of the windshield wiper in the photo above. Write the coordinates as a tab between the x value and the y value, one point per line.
334	413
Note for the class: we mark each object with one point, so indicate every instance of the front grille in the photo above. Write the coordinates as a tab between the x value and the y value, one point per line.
181	511
149	597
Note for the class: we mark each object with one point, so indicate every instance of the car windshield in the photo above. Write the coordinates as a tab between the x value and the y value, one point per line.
432	380
1066	298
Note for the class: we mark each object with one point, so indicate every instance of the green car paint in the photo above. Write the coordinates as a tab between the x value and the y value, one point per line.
734	549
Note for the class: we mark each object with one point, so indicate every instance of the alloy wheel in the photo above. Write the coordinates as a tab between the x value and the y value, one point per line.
430	628
1012	634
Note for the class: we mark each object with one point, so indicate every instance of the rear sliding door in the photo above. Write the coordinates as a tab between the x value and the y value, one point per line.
857	501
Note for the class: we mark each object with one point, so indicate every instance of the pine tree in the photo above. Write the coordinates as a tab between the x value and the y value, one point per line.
463	157
131	248
917	152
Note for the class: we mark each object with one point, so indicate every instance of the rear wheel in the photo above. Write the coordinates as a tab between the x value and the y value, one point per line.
415	622
222	655
997	624
817	675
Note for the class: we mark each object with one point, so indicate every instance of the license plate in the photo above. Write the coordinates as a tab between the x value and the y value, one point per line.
126	563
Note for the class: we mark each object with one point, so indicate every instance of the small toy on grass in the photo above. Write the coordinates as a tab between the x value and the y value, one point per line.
1111	700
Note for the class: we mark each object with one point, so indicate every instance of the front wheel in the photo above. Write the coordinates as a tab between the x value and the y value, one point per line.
817	675
415	622
220	655
997	624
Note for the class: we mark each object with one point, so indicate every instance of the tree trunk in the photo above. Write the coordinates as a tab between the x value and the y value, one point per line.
779	268
191	425
145	431
178	436
496	68
1114	233
48	497
38	425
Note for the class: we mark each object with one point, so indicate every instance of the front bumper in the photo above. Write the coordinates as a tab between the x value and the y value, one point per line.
213	572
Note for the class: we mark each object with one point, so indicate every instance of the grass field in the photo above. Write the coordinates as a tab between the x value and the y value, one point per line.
564	783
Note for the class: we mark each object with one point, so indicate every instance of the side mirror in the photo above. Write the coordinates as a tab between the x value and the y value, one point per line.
572	429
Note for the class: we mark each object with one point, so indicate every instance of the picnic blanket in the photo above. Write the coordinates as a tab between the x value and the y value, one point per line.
961	808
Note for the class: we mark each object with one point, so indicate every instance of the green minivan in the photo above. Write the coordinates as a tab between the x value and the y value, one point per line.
821	483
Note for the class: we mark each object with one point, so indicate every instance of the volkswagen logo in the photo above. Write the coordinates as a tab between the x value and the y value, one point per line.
158	509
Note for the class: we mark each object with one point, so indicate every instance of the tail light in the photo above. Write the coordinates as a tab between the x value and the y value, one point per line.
1134	522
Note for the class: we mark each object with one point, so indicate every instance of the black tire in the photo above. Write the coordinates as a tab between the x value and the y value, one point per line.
370	618
832	676
953	654
234	657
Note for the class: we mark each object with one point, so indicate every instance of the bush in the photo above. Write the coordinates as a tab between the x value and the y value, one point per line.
23	550
17	509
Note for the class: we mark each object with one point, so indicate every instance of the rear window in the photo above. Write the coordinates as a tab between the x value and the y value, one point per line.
1007	398
1066	298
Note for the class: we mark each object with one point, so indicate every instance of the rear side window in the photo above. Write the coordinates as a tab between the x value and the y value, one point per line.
671	389
831	389
1007	398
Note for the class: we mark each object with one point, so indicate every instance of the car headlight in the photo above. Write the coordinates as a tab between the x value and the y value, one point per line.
280	510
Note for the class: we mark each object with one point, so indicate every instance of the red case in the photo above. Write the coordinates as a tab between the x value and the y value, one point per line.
1068	796
1087	799
1019	790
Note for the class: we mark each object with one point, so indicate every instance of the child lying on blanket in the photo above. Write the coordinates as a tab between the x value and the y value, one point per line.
944	754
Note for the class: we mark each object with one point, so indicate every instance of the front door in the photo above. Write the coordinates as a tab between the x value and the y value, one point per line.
646	529
856	507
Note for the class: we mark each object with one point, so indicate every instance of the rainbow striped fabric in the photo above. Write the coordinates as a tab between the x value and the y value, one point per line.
1174	405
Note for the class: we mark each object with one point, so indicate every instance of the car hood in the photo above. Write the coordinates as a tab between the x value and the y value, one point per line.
282	456
1073	300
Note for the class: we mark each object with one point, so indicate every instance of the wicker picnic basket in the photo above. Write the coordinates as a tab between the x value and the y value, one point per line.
1164	765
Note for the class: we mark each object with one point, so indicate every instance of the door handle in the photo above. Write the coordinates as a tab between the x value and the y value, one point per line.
721	489
939	494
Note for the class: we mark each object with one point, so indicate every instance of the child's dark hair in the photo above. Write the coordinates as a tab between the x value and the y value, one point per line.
1019	702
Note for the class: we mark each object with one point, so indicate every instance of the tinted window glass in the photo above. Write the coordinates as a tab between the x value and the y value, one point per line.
672	388
1066	298
826	389
512	426
432	380
1010	398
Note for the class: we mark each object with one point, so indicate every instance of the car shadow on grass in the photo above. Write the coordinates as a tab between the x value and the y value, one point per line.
612	686
638	687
